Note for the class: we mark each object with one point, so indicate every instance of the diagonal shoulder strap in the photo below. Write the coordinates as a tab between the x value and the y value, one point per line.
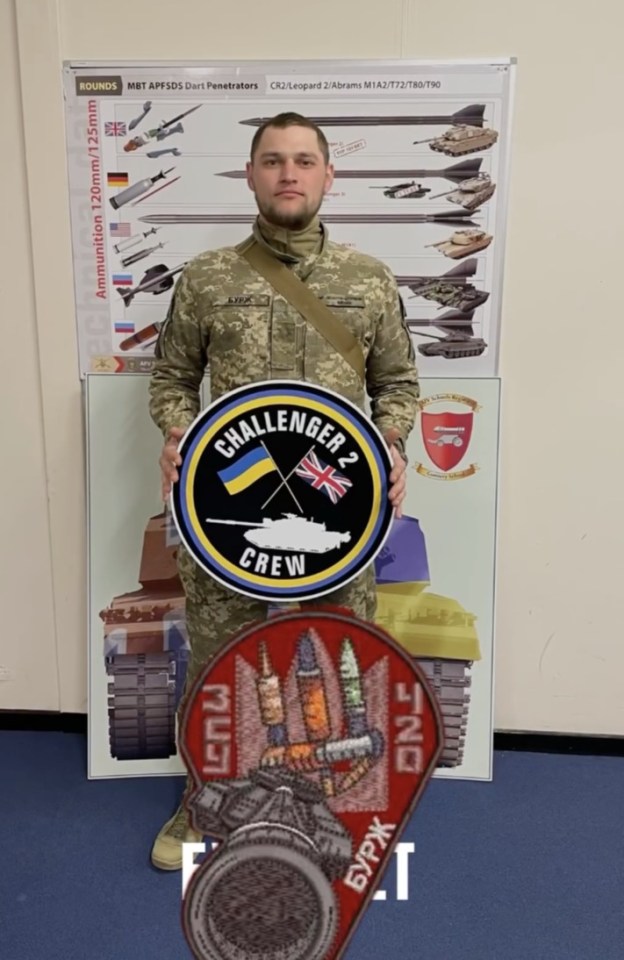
306	302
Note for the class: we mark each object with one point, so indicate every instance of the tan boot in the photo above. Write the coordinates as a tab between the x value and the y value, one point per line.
167	849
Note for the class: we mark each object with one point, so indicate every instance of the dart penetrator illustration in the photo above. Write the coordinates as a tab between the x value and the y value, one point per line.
158	279
451	320
141	254
137	189
161	132
456	173
200	219
147	106
133	240
153	154
472	115
141	337
462	139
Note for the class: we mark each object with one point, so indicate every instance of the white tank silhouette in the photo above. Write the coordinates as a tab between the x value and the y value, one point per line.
290	533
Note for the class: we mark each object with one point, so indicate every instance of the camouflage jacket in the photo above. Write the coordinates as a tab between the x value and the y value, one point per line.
226	317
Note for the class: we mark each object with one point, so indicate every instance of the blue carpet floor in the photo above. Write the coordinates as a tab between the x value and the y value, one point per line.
529	867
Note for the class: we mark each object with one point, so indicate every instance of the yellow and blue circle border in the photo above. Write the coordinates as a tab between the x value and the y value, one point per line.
368	521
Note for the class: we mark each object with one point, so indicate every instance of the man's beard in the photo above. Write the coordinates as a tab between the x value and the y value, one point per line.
295	220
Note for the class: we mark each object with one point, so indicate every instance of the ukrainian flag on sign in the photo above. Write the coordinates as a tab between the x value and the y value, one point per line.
246	470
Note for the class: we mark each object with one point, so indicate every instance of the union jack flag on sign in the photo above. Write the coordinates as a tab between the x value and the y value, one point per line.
323	477
114	129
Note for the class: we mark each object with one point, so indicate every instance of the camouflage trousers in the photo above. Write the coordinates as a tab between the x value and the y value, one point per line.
214	613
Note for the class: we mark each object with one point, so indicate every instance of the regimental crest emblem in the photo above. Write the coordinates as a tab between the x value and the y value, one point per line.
309	739
283	491
446	434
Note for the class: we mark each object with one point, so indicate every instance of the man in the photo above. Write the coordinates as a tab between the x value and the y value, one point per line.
227	317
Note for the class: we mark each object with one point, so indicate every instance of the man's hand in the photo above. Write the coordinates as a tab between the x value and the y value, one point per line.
396	494
169	461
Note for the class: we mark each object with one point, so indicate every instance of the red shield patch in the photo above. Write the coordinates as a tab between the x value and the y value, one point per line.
446	436
310	739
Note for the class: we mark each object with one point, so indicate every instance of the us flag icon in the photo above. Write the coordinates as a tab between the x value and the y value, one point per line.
119	229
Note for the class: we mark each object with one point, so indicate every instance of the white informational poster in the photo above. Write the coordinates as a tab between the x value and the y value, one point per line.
435	575
156	165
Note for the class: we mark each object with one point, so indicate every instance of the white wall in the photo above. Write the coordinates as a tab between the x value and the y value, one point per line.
561	519
28	654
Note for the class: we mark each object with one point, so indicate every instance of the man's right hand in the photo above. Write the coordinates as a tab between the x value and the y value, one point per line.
169	461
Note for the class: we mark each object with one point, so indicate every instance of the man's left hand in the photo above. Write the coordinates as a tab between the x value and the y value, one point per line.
396	494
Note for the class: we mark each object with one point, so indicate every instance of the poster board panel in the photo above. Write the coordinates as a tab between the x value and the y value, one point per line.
448	622
138	649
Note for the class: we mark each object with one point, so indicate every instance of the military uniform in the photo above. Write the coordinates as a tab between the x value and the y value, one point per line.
226	317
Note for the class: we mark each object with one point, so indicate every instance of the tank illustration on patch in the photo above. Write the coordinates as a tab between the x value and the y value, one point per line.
290	533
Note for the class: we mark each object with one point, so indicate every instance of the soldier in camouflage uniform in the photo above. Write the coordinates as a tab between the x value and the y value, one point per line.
225	317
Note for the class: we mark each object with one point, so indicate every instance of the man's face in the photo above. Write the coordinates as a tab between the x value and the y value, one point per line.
289	176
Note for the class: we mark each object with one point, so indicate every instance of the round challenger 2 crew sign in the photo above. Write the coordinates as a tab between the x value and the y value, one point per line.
283	491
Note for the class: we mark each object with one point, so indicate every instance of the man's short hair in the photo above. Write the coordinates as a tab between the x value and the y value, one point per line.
283	120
